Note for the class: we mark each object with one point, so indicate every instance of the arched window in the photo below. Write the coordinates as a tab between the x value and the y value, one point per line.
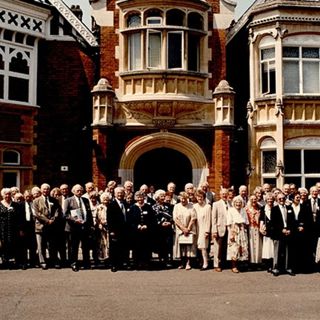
11	157
268	160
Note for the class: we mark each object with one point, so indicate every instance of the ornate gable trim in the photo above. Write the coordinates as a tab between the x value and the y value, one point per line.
79	27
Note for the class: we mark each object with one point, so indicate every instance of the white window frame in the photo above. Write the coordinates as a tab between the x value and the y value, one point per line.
153	21
17	172
11	163
153	31
268	62
134	66
31	77
303	144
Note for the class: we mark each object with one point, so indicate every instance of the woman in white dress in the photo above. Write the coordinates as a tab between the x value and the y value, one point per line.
102	227
267	242
185	217
203	211
237	233
255	237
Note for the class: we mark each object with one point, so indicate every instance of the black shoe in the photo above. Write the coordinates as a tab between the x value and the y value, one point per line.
43	266
74	268
204	269
57	266
275	272
114	269
290	272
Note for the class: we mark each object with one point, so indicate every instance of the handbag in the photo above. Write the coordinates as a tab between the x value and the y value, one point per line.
183	239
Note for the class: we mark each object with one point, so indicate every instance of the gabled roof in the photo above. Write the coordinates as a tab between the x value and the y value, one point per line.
78	25
80	28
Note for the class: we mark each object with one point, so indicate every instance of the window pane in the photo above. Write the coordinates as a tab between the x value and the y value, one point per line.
311	53
312	161
174	50
193	53
134	44
175	18
18	64
310	182
291	76
292	161
295	180
290	52
310	77
267	54
134	21
154	50
18	89
10	179
10	157
269	161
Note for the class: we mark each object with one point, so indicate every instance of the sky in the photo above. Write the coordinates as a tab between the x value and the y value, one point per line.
85	6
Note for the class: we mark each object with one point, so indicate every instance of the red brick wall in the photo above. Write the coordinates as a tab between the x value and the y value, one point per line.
220	169
66	77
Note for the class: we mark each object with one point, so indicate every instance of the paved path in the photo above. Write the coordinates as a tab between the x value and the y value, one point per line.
172	294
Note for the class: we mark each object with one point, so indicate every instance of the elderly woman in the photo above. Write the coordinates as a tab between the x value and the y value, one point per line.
267	242
9	221
185	217
237	234
203	210
142	223
164	239
255	238
55	193
101	225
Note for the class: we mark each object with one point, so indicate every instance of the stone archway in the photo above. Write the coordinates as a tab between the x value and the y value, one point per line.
168	140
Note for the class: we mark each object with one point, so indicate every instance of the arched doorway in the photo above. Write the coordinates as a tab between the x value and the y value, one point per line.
160	166
139	146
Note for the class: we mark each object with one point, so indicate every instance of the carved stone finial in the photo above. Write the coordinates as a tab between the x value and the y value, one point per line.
279	169
103	85
223	87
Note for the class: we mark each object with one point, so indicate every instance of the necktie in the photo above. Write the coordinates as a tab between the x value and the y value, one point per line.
314	210
47	203
29	212
123	210
81	209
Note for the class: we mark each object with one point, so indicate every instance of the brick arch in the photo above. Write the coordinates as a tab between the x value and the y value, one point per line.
169	140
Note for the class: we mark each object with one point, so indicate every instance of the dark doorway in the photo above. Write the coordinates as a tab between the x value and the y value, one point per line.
160	166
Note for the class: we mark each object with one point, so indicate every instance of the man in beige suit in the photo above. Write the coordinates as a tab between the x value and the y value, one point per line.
48	214
219	232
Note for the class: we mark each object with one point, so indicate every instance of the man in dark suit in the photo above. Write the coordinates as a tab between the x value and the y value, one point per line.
48	215
64	246
118	230
312	225
281	228
27	236
77	212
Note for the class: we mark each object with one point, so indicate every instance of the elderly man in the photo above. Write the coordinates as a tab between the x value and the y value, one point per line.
118	230
219	231
48	219
78	214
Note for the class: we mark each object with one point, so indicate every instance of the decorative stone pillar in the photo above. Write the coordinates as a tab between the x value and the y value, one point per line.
103	96
224	125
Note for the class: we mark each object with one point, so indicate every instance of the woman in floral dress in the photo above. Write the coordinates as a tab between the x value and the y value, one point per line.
237	234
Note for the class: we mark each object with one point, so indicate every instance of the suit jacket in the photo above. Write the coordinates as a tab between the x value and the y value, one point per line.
277	224
73	204
219	217
43	214
312	223
117	220
24	225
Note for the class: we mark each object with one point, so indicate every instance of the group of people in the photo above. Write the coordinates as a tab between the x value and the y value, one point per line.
118	228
